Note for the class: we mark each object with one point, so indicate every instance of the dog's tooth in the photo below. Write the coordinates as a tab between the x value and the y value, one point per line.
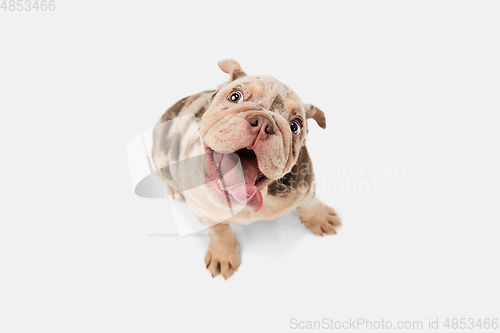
221	185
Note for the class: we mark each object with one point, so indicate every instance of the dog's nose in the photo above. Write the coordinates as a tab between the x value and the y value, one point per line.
262	122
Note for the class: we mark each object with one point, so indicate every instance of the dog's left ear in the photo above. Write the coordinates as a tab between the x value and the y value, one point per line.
316	114
232	68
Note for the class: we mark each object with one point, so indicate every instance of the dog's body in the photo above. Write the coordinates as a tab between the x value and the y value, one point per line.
251	159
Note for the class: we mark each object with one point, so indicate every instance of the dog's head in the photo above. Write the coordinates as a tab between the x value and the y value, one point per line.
256	121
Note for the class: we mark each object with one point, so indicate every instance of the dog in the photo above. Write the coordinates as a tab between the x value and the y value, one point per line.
251	162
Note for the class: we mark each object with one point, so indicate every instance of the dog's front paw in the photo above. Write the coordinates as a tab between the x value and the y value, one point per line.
322	219
222	257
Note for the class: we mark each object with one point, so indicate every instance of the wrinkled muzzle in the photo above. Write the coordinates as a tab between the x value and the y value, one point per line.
245	152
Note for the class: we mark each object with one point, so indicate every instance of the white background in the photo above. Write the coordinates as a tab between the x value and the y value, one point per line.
401	82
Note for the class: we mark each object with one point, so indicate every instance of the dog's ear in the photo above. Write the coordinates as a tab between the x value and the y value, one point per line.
232	68
316	114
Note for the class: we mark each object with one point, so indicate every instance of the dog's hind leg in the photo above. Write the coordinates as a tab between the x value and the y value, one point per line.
318	217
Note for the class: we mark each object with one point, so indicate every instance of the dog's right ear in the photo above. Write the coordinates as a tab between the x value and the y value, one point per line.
232	68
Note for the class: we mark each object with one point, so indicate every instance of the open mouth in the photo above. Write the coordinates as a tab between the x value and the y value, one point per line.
238	175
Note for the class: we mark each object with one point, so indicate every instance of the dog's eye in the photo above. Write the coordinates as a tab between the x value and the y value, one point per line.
295	127
235	97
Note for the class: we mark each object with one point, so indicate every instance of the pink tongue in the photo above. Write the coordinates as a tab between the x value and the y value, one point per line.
247	194
238	178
